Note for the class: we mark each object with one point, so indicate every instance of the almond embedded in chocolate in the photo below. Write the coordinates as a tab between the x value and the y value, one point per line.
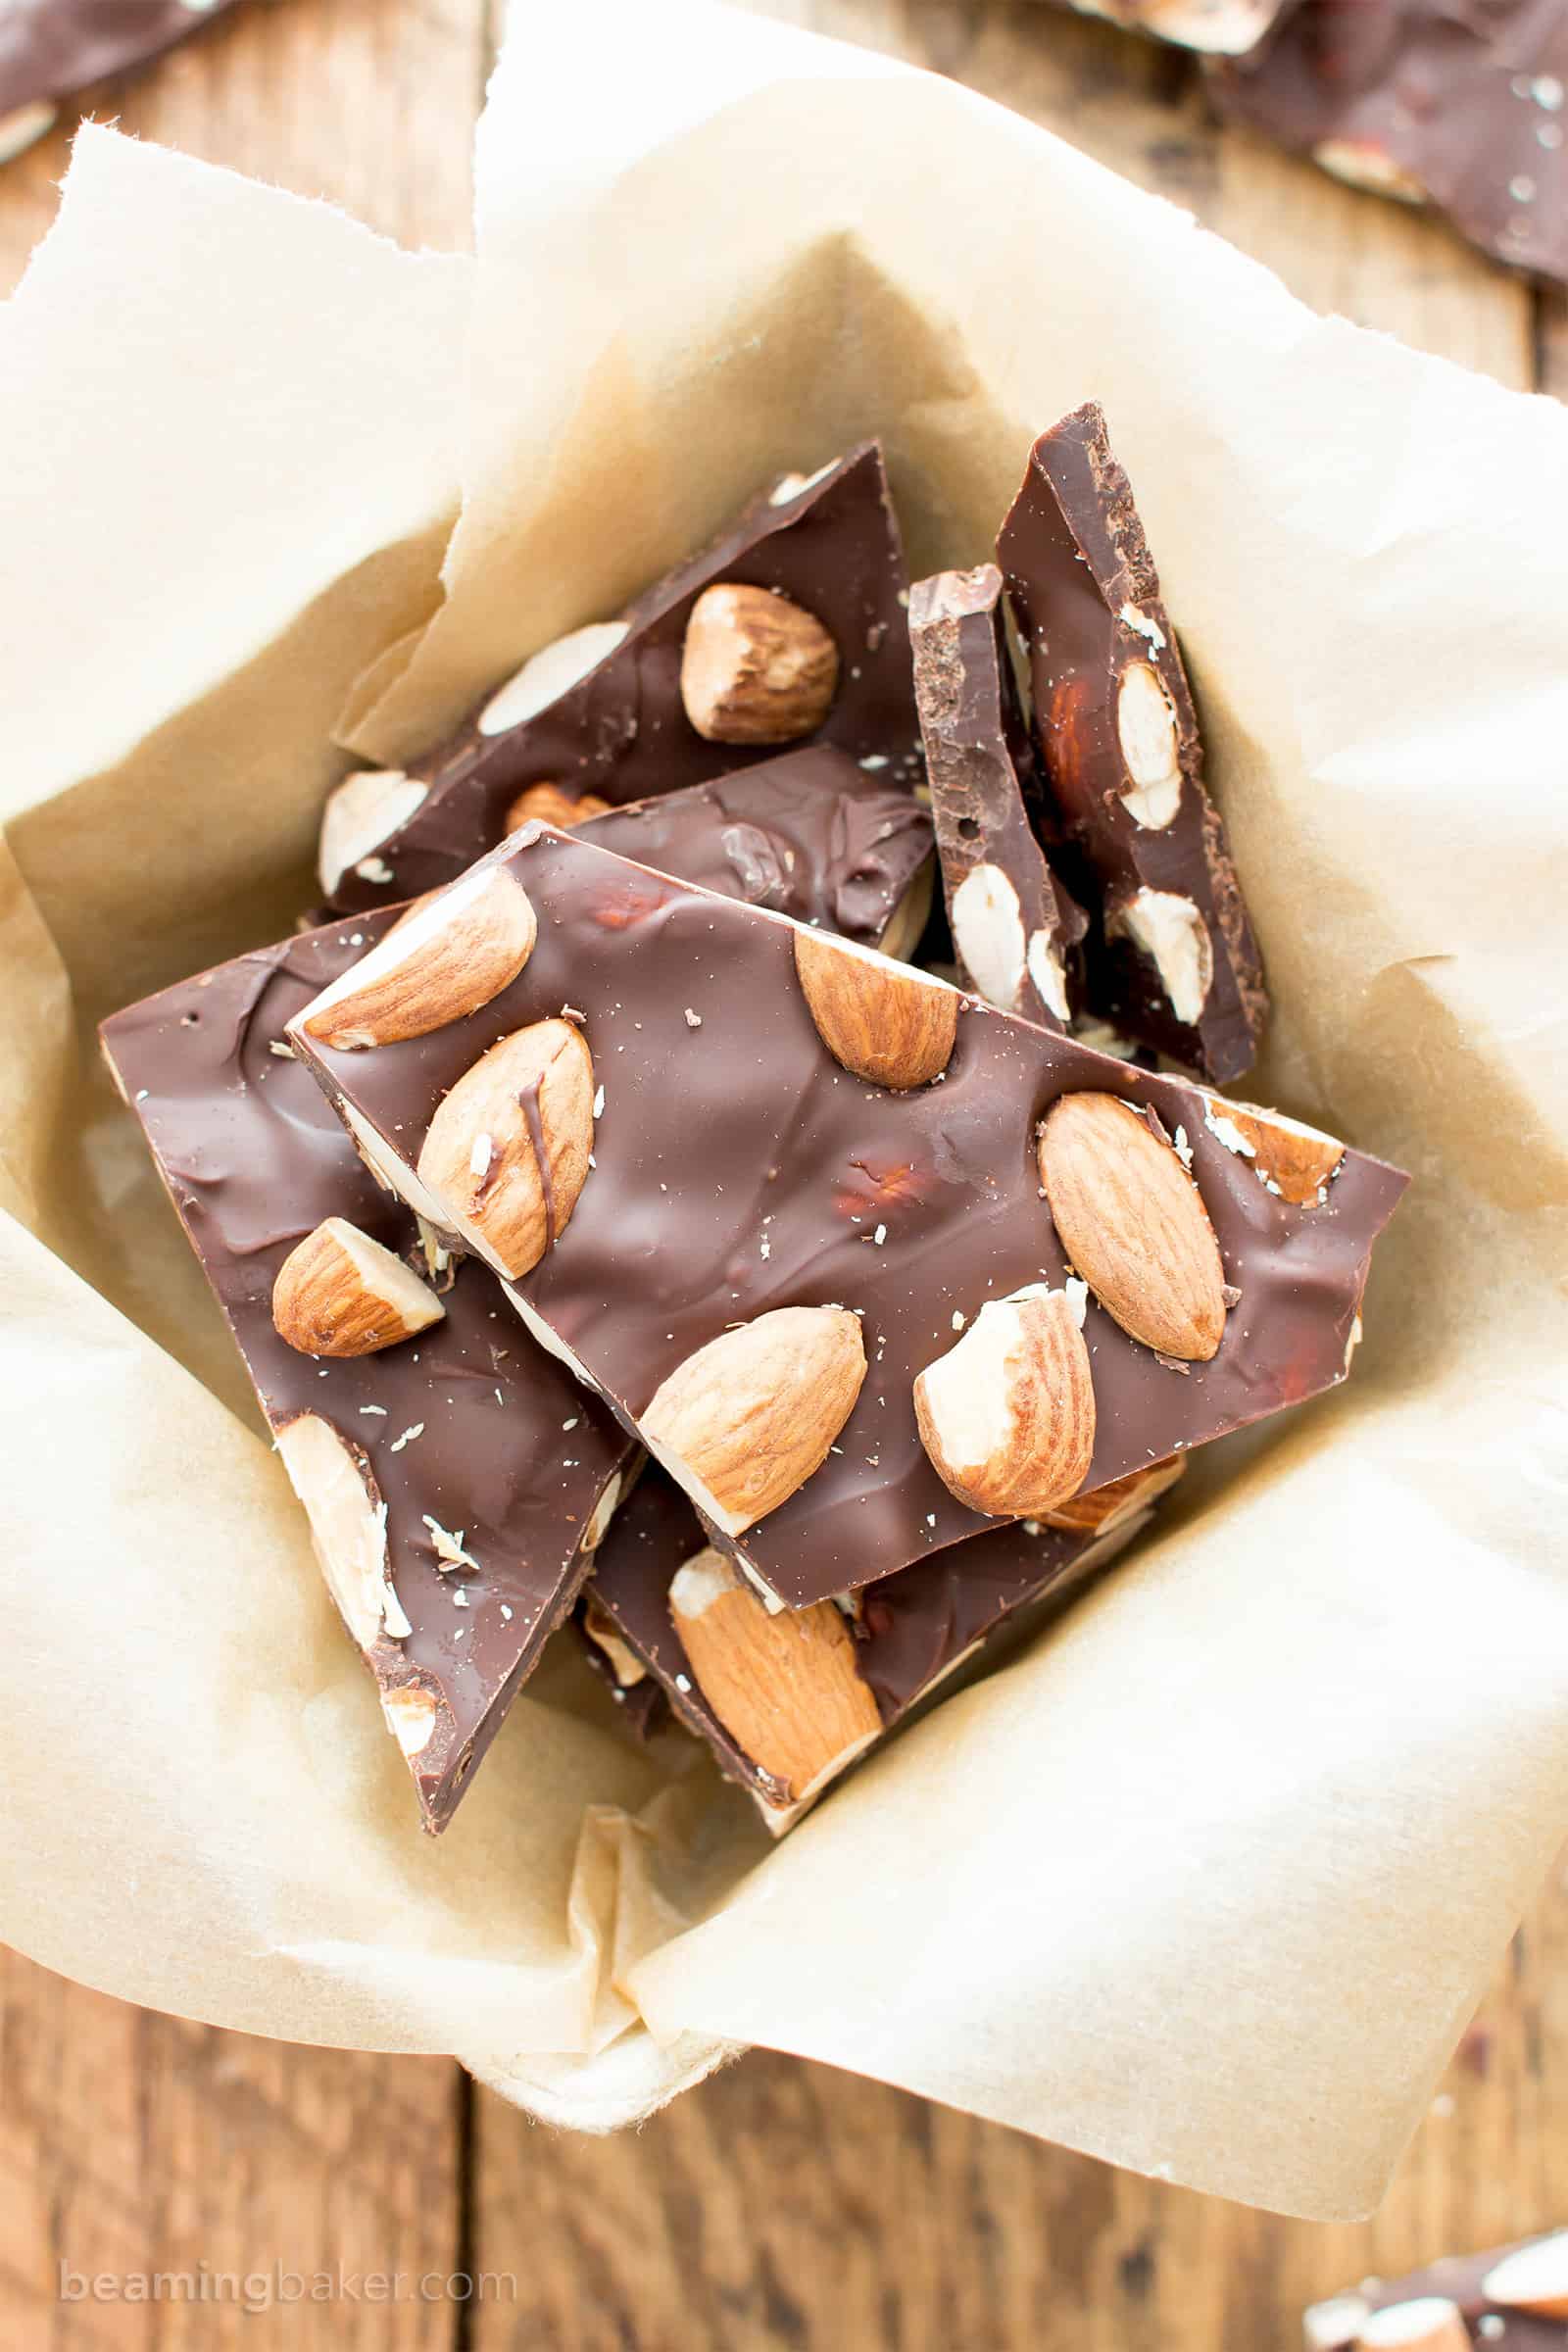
507	1153
339	1292
756	667
438	964
1008	1416
882	1021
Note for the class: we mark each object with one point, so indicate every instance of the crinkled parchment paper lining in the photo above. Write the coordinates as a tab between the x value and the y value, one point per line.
1208	1880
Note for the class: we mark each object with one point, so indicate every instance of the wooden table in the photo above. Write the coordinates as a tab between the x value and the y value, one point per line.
781	2204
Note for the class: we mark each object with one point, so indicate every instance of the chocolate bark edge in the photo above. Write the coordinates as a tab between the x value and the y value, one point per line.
1015	928
483	1545
617	729
1172	961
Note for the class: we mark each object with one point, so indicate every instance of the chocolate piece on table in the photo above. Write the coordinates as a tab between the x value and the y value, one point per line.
754	1254
606	711
1457	107
1173	962
1514	2299
51	47
1014	926
451	1480
911	1633
1225	27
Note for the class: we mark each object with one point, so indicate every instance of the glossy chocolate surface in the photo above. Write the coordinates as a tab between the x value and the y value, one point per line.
738	1168
912	1628
1461	104
830	544
1086	595
811	835
982	771
510	1452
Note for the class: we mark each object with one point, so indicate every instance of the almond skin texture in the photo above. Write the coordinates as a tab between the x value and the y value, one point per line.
756	667
548	805
438	964
783	1684
338	1292
752	1415
1008	1416
1108	1507
1134	1225
1297	1160
508	1151
879	1019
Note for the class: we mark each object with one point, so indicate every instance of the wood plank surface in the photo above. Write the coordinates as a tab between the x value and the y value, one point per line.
780	2204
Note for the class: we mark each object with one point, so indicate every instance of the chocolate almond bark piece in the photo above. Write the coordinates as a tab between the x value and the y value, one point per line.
1014	926
1457	107
734	635
1512	2297
658	1596
745	1197
49	48
454	1479
1173	962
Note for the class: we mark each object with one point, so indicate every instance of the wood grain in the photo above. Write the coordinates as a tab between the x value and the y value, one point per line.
780	2204
134	2144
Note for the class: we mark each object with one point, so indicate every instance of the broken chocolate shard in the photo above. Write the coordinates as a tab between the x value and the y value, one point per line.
1015	928
49	48
1457	107
453	1480
739	1169
912	1633
1173	962
602	711
1514	2299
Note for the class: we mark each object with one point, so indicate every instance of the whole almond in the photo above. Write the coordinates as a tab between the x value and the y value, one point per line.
434	966
1426	2324
783	1683
756	667
362	813
880	1019
1007	1415
507	1152
1134	1225
548	805
1109	1506
752	1415
1534	2278
332	1478
338	1292
1290	1159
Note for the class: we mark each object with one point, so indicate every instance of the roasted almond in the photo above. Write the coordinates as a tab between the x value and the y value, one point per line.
1112	1506
1532	2278
1298	1162
1146	729
331	1476
1171	932
1428	2324
548	805
338	1292
782	1683
507	1153
752	1415
1007	1415
435	966
605	1634
413	1714
756	667
880	1019
1134	1225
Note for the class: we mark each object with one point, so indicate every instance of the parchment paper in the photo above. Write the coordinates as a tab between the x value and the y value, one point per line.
1208	1882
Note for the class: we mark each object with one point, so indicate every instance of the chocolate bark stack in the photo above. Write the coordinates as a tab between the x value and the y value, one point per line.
637	1221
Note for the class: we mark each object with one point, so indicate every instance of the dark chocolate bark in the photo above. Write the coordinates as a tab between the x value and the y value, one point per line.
1334	2325
1460	106
811	835
737	1168
1016	927
468	1424
51	47
1173	962
913	1630
830	543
